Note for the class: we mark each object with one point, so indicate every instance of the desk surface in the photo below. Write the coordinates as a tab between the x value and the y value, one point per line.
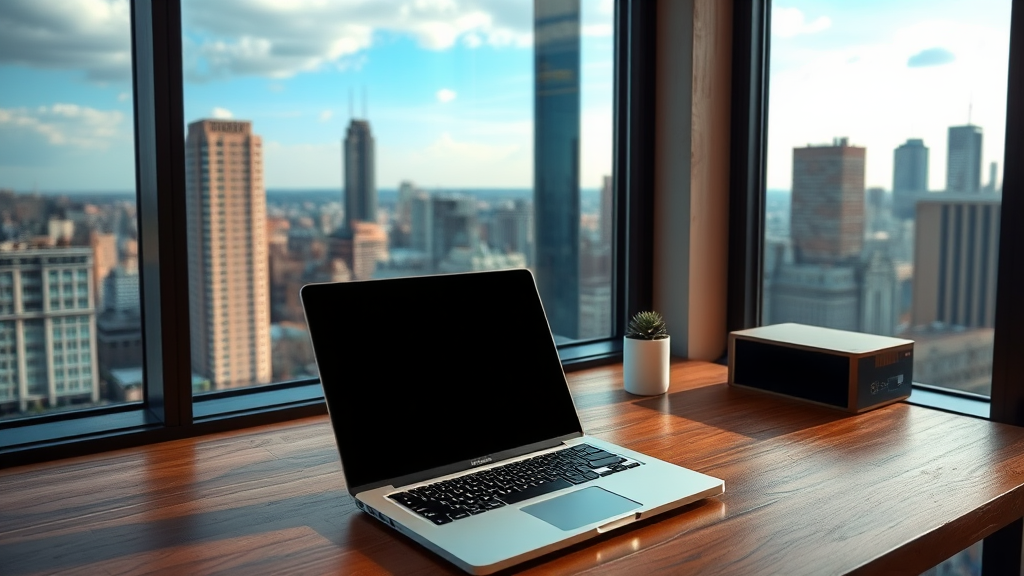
809	490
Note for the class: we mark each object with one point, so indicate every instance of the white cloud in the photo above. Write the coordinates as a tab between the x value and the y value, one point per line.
280	39
789	22
325	115
445	95
221	113
93	36
124	96
63	125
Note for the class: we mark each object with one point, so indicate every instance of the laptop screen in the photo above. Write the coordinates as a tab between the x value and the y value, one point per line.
431	371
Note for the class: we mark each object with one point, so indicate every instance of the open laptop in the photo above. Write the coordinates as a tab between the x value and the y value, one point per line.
455	424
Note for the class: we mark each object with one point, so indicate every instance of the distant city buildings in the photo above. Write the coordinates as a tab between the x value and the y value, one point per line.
360	174
833	278
955	260
827	221
47	328
556	130
909	176
963	164
229	293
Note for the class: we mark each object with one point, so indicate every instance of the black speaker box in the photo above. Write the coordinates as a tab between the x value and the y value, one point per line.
847	370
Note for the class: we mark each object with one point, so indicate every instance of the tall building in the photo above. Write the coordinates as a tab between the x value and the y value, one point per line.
955	260
963	165
827	211
909	176
229	292
47	328
511	228
556	136
360	182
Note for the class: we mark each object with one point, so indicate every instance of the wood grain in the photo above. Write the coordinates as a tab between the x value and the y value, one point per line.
809	490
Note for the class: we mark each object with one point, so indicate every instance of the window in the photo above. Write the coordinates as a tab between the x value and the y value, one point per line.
883	205
418	148
67	194
98	240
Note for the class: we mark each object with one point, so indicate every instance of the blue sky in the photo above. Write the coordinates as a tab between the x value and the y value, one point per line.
882	71
449	87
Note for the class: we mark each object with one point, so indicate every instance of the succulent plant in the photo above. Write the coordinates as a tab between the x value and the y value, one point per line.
647	326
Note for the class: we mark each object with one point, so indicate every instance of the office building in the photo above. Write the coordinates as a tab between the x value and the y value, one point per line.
993	177
556	137
816	294
360	180
453	225
955	260
47	328
963	163
360	247
909	176
229	292
827	210
511	228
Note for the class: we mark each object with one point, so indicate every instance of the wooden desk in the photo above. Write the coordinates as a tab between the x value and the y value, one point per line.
809	490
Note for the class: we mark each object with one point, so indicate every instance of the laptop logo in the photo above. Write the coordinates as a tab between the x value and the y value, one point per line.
480	461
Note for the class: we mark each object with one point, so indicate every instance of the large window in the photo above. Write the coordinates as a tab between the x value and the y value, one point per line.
172	172
326	142
70	327
884	176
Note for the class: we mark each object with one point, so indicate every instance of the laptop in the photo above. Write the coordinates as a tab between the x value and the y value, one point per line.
455	424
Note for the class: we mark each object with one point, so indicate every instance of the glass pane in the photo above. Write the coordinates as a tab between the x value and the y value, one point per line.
886	131
70	329
334	142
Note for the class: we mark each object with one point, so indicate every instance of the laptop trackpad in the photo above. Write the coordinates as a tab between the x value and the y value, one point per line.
580	508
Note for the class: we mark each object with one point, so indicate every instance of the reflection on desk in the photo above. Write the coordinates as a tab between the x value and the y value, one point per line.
810	490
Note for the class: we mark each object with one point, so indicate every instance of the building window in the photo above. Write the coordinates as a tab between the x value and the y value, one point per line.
884	153
364	188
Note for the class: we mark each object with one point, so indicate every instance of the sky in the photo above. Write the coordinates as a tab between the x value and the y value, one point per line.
882	71
449	84
446	85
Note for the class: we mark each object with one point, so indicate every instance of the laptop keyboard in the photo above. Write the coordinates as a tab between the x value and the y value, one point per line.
465	496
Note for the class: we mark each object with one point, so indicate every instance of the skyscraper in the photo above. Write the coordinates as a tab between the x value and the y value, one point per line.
556	134
909	176
963	165
229	293
827	212
360	182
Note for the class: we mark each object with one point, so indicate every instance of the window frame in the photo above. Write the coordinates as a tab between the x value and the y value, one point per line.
1002	550
169	410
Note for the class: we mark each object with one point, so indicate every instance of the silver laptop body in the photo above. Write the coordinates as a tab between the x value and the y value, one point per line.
473	383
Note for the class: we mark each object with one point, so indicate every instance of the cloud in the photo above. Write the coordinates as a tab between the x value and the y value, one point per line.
124	96
93	36
325	115
790	22
221	113
281	39
445	95
930	57
62	125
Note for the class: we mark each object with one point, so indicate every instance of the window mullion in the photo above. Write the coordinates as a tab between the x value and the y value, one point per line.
159	132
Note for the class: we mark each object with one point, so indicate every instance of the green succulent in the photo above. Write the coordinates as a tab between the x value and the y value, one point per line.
647	326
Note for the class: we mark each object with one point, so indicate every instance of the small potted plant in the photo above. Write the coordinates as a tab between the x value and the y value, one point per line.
645	354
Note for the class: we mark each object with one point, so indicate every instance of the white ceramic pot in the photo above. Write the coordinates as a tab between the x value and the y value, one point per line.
645	366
